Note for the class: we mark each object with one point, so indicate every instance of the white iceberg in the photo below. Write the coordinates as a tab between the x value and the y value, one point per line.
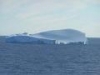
64	36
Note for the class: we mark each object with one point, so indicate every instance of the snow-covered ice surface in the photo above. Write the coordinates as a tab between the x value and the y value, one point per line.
29	59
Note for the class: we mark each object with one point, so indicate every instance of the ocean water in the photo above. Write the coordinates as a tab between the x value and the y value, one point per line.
29	59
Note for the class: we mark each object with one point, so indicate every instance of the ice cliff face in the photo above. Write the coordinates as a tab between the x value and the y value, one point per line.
63	36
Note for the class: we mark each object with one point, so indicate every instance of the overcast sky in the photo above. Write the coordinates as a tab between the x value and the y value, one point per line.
32	16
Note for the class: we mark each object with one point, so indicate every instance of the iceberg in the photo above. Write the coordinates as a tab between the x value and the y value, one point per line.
64	36
28	39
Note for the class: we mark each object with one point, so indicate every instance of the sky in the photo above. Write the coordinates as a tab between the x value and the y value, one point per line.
33	16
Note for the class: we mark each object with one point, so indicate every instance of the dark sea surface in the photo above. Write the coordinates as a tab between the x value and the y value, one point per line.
29	59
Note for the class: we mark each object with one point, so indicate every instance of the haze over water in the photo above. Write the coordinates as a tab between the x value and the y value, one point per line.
32	16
